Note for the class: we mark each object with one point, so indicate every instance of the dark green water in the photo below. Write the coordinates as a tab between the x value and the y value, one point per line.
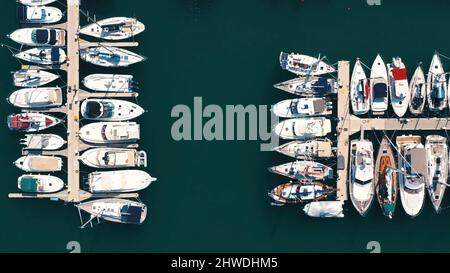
211	196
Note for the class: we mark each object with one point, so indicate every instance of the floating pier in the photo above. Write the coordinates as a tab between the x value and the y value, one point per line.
74	95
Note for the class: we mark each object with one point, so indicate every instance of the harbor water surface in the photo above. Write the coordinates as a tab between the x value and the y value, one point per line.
211	196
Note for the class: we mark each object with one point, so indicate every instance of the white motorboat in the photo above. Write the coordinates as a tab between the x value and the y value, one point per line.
361	184
110	56
310	149
304	65
39	37
110	132
109	82
417	89
398	86
325	209
39	183
303	107
115	28
309	86
45	142
35	3
359	90
38	15
43	55
115	210
39	163
437	85
107	158
412	174
437	165
303	128
304	170
110	110
32	77
379	86
39	97
31	122
119	181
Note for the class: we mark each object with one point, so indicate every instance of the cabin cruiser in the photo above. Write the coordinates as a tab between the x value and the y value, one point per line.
40	97
309	86
359	90
412	174
110	132
45	142
110	56
38	15
32	78
119	181
310	149
304	170
379	86
43	55
39	163
324	209
35	3
417	89
303	107
437	85
437	165
110	110
303	128
361	186
39	37
108	158
31	122
39	183
299	192
304	65
398	85
115	28
109	82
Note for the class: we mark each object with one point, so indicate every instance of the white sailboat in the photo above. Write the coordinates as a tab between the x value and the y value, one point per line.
398	86
32	77
43	55
309	86
304	65
417	89
119	181
303	107
115	28
110	132
379	86
110	56
437	85
437	166
109	82
110	110
39	97
303	128
304	170
310	149
359	90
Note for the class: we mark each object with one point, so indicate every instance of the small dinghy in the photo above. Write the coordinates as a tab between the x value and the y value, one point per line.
304	65
303	128
109	82
304	170
31	122
310	149
115	28
413	172
110	132
299	192
107	158
110	110
303	107
359	90
40	97
39	37
361	185
324	209
437	164
39	183
32	78
309	86
35	3
398	85
115	210
45	142
43	55
119	181
436	85
417	89
386	182
110	56
38	15
39	163
379	86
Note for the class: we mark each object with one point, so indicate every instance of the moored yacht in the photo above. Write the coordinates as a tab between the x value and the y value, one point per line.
379	86
110	132
303	107
39	183
324	209
304	65
110	56
359	90
309	86
299	192
309	149
31	122
417	89
436	85
303	128
115	28
32	78
39	97
109	82
35	3
110	110
43	55
39	163
107	158
398	86
39	37
119	181
45	142
437	165
38	15
304	170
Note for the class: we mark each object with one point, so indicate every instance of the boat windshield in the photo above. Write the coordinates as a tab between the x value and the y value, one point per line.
294	107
